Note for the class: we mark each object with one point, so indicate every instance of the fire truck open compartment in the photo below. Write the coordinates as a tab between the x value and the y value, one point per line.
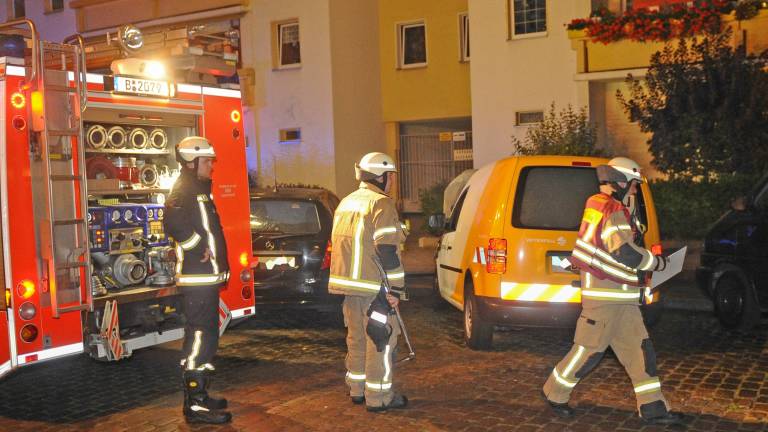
127	242
86	163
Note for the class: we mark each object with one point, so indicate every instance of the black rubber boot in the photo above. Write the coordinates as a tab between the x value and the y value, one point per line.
397	402
561	410
357	400
656	413
212	402
195	410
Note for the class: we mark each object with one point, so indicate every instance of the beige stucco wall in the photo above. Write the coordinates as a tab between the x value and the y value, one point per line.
357	124
518	74
439	90
616	132
300	97
54	26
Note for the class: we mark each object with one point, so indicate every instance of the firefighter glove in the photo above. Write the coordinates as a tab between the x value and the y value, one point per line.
661	263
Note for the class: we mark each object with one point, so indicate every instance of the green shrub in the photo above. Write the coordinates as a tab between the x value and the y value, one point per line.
432	203
686	209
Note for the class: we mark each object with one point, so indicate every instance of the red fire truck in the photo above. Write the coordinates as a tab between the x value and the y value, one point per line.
86	162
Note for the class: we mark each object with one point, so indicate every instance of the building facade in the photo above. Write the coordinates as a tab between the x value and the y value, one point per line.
426	106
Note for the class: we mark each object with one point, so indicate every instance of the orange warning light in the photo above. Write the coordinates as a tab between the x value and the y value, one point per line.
37	102
235	116
25	289
18	100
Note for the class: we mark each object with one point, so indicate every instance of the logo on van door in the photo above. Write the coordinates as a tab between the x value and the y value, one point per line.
560	241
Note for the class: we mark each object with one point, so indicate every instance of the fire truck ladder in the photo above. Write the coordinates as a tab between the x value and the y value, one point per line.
64	228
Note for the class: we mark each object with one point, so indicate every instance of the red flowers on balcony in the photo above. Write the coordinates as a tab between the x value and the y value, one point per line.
643	25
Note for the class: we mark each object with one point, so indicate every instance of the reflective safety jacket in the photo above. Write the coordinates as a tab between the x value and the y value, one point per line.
192	221
611	264
365	219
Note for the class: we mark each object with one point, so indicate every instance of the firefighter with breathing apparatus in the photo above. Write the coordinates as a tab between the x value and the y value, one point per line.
201	270
614	270
366	228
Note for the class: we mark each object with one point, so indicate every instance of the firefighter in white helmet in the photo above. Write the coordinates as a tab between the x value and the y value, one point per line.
201	269
366	228
614	266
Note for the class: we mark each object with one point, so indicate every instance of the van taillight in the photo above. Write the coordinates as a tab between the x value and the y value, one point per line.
656	249
327	258
496	259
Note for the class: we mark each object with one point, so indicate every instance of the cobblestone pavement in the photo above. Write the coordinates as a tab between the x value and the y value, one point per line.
284	372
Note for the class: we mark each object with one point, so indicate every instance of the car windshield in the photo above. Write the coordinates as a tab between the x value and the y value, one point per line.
554	197
284	216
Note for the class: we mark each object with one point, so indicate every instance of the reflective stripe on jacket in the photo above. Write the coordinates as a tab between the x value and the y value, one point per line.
607	255
364	219
192	221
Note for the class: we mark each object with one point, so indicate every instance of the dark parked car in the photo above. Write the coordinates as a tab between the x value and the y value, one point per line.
290	233
734	263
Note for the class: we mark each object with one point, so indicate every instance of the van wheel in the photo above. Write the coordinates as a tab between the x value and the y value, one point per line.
735	302
477	333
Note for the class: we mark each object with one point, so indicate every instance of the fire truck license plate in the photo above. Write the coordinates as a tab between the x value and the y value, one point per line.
142	86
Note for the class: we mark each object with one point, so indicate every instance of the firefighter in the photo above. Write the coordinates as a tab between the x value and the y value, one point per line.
201	269
366	228
614	271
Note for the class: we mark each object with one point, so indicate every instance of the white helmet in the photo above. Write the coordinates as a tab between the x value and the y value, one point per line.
194	147
374	164
619	170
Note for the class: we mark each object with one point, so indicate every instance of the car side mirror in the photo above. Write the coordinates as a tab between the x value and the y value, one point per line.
436	222
740	204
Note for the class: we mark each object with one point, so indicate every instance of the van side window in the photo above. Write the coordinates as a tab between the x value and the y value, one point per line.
454	221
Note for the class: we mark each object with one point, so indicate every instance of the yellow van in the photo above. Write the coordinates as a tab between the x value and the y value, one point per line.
500	259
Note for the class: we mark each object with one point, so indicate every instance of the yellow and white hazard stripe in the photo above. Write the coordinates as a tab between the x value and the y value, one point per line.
479	255
540	292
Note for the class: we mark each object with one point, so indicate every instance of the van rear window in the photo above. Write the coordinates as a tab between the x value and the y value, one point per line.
553	198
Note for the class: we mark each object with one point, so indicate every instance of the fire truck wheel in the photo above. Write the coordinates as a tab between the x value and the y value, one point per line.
477	333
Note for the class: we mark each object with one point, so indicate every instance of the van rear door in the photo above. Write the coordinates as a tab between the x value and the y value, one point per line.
547	207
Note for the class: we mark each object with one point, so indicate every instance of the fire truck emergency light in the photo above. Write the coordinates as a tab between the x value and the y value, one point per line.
25	289
138	68
18	100
235	116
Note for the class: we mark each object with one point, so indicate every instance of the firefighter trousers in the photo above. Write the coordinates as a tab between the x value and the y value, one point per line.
201	331
369	372
622	328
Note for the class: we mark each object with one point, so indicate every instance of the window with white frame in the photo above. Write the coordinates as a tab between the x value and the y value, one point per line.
288	45
529	16
524	118
412	45
54	5
464	36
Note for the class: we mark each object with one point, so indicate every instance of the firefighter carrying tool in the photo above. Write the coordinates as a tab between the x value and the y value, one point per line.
201	269
613	275
366	225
